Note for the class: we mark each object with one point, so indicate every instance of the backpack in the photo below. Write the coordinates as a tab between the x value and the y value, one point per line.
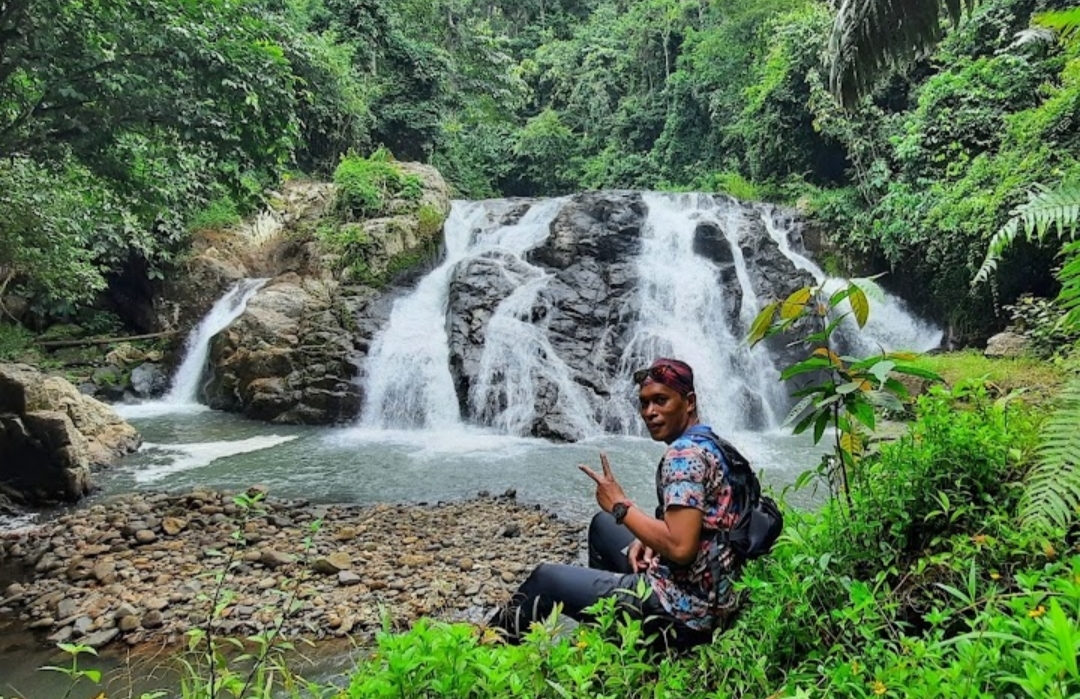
761	521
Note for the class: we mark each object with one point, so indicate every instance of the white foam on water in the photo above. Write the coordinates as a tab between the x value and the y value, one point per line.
17	525
156	408
188	457
462	441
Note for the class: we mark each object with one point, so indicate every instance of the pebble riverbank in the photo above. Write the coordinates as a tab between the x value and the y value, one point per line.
143	568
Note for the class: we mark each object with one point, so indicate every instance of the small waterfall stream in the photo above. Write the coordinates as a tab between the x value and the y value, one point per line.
684	313
891	326
187	382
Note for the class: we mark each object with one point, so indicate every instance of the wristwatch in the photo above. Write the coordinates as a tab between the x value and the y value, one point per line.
620	510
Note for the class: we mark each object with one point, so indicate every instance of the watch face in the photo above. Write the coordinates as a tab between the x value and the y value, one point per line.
619	510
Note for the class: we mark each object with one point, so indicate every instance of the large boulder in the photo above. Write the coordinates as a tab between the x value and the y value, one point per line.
291	357
51	435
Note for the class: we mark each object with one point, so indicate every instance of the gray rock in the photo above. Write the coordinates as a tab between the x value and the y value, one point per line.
145	536
273	559
66	608
62	636
148	380
82	625
127	623
347	578
1007	345
101	638
152	620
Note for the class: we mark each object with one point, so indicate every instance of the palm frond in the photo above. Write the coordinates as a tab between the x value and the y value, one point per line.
1045	210
870	36
1051	495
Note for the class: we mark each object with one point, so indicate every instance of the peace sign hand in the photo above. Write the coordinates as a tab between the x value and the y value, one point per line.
608	490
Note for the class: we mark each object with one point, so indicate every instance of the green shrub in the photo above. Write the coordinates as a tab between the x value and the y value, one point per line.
431	220
365	184
16	342
219	214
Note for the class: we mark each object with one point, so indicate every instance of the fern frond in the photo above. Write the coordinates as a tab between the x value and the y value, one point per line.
1051	495
1045	210
1069	297
1065	23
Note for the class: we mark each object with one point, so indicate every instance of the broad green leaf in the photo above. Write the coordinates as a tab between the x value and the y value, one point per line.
820	424
916	371
885	400
761	324
849	387
881	370
870	287
863	412
860	306
797	410
804	367
795	303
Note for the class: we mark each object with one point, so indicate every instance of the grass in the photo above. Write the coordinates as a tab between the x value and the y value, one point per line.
1040	379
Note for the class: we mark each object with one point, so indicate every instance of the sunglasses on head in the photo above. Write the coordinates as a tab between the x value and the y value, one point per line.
656	373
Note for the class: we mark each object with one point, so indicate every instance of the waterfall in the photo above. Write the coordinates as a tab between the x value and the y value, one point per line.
684	314
187	382
408	382
891	326
518	363
693	270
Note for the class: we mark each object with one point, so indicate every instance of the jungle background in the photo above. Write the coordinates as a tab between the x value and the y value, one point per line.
125	126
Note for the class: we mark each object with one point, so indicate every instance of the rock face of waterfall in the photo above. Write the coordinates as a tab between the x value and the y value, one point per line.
542	340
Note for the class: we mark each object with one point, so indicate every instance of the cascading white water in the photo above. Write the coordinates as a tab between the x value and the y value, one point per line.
518	360
408	382
684	314
891	326
187	382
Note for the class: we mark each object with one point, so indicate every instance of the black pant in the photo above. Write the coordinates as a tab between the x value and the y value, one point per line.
609	575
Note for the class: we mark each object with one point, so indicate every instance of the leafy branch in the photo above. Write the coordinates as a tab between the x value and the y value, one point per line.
844	391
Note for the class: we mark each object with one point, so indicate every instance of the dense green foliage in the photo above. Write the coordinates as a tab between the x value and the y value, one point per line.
148	117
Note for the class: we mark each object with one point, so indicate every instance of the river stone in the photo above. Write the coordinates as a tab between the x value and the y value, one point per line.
145	536
465	564
62	636
152	620
1007	345
173	525
272	558
82	625
347	578
66	608
125	609
157	603
127	623
105	572
332	564
101	638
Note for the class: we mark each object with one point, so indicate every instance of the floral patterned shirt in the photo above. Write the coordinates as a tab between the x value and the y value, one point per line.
692	474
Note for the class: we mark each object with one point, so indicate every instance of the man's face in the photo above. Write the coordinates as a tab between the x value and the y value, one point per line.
666	413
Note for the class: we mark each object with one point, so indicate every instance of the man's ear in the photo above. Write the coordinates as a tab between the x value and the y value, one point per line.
691	398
